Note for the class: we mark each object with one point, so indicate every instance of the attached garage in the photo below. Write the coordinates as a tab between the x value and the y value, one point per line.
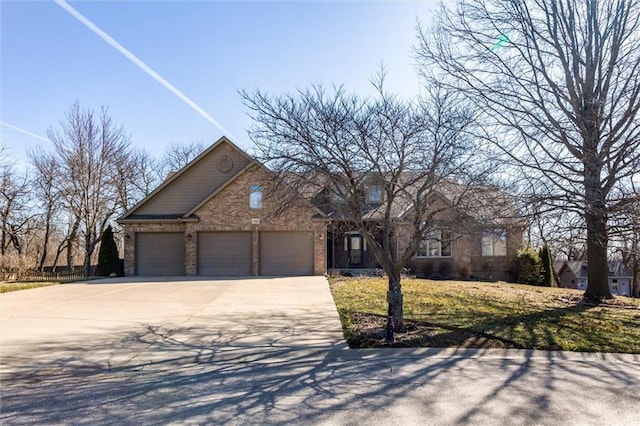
159	253
286	253
224	253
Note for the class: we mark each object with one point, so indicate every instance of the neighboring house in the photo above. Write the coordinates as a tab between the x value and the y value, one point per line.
573	274
216	217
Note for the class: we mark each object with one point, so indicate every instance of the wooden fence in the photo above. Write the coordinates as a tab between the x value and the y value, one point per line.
49	274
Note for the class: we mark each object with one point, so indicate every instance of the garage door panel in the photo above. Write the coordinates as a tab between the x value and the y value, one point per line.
159	253
224	253
286	253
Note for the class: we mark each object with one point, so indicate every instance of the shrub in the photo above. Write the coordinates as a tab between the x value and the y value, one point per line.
426	269
528	267
487	270
413	266
108	258
420	268
444	268
465	272
547	267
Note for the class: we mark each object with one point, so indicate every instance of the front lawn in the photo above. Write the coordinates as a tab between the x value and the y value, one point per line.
487	315
6	287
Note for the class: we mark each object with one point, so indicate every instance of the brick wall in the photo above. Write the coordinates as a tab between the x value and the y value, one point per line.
229	211
466	255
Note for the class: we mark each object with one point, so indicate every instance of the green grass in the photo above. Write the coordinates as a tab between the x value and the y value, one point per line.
7	286
15	286
487	315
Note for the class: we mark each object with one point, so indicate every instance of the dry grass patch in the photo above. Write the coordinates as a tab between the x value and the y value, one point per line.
6	287
487	315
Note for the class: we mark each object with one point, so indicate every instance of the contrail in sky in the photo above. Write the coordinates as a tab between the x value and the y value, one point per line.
133	58
26	132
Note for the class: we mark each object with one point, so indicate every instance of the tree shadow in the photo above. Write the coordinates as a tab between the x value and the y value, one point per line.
238	370
532	330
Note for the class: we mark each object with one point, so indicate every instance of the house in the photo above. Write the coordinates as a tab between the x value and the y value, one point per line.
573	274
474	233
217	217
211	218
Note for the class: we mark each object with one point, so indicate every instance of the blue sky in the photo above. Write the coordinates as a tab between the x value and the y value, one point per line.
208	50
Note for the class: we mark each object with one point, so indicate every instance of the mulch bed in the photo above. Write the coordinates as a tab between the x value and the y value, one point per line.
370	333
579	299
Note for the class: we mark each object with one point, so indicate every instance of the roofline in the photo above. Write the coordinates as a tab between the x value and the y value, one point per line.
128	221
436	192
179	220
166	182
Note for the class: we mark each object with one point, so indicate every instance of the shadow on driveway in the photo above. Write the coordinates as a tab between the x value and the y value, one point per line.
242	370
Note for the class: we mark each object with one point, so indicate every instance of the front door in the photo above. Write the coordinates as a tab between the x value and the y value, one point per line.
354	248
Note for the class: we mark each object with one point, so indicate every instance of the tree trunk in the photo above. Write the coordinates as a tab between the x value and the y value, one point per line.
598	269
3	239
395	319
45	242
72	237
88	251
70	255
635	285
61	247
595	211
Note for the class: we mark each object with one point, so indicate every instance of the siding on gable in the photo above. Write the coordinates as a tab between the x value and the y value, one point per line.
195	184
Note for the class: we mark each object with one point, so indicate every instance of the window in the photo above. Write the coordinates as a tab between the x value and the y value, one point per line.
494	242
339	192
437	243
375	194
255	197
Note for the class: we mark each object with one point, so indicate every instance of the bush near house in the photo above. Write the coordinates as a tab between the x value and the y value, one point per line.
547	267
108	258
528	267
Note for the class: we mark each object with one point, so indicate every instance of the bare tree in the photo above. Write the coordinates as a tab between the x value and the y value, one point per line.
179	155
559	84
139	174
90	151
562	230
14	213
314	139
45	183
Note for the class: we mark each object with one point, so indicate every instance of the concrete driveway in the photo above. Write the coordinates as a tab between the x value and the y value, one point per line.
129	323
270	351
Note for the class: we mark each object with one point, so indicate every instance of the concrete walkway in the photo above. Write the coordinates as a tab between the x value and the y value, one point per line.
271	352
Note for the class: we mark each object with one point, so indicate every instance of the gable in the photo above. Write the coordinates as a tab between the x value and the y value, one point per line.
230	205
195	182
